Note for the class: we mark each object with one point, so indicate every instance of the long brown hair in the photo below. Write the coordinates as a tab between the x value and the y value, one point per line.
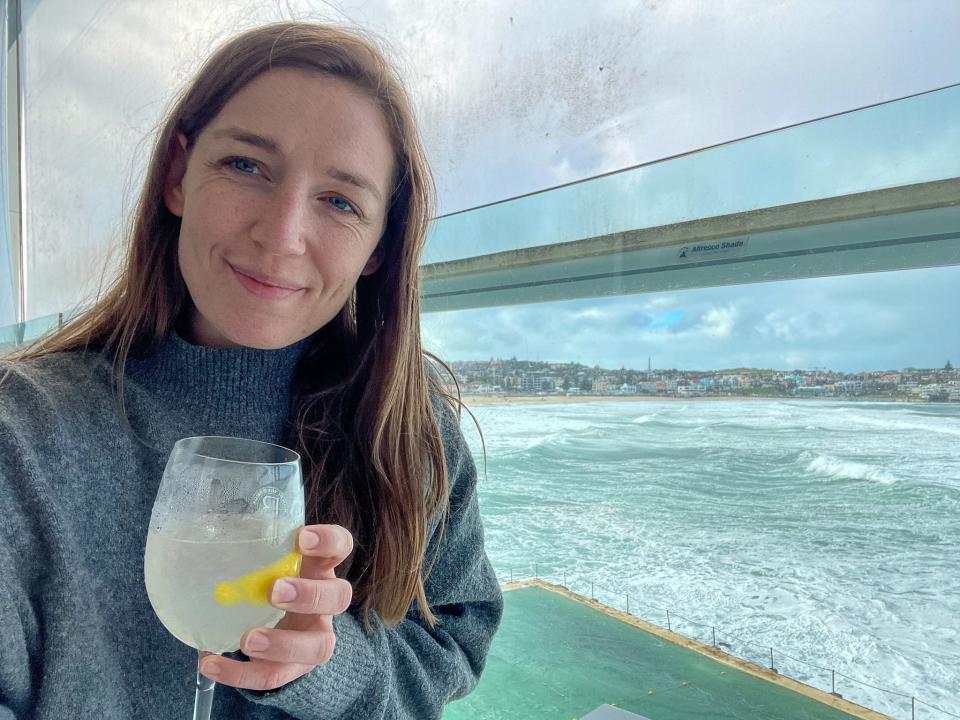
361	410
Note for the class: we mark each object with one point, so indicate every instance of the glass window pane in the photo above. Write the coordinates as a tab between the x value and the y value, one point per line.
775	460
513	98
8	294
901	143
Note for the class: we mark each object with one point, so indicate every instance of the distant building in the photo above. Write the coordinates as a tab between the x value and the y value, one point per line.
535	382
601	383
848	387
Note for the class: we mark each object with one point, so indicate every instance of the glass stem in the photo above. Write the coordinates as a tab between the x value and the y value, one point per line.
205	687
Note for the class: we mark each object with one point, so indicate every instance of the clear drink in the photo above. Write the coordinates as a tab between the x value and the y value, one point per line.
207	576
222	530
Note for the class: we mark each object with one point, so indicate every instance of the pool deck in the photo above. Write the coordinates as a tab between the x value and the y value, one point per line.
560	656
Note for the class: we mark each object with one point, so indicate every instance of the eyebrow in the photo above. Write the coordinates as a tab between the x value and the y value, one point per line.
271	146
250	138
356	180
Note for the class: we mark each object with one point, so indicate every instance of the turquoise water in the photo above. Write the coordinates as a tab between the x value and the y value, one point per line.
828	531
556	658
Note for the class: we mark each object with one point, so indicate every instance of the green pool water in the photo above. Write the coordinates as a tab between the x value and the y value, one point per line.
558	659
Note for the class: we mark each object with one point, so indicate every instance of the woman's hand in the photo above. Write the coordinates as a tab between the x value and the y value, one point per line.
304	637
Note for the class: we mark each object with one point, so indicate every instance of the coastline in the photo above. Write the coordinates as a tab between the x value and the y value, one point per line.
478	400
483	400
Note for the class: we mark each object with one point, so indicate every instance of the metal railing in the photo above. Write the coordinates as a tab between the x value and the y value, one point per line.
757	654
18	334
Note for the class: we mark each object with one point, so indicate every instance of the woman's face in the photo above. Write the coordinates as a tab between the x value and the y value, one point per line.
283	200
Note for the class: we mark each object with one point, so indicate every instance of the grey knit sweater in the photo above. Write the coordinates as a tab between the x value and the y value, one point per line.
80	639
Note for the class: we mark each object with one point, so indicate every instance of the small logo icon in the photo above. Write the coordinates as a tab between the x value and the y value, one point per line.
268	500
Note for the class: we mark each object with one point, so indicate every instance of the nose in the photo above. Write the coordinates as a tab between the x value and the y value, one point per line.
282	222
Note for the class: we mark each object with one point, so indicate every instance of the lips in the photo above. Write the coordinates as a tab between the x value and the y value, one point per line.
264	286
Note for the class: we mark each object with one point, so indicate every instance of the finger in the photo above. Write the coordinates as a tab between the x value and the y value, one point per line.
330	542
324	547
310	623
290	646
253	675
313	597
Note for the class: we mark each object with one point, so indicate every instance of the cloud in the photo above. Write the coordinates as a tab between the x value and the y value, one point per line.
719	322
863	322
590	313
796	361
802	325
661	301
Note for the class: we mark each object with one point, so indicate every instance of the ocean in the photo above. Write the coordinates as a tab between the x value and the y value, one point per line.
827	531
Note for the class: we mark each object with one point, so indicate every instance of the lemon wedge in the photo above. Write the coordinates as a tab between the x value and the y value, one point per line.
254	587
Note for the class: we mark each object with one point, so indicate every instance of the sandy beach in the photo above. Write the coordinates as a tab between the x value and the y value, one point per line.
477	400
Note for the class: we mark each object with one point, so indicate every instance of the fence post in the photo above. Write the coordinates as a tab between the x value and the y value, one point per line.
564	578
591	591
714	637
771	661
59	320
628	603
668	621
913	708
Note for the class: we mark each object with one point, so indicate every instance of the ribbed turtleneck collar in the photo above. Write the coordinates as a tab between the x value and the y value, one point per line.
234	391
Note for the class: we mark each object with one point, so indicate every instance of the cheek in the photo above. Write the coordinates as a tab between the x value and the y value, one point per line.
203	234
185	256
196	260
337	253
344	271
189	255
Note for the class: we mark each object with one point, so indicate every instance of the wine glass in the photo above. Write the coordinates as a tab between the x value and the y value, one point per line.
223	528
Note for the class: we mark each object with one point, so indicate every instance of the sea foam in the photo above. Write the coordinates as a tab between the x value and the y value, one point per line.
848	470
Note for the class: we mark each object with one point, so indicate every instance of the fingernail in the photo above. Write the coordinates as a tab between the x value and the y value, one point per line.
257	642
283	592
211	668
309	539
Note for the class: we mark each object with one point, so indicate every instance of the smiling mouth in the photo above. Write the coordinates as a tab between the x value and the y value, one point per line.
263	286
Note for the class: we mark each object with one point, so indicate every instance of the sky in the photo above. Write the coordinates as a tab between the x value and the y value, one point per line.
515	97
849	324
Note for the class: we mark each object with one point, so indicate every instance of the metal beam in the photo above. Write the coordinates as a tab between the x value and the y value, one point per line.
891	229
13	122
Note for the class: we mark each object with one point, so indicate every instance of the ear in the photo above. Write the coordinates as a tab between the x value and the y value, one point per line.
173	184
374	262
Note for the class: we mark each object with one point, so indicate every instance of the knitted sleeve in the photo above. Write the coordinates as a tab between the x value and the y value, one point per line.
18	624
15	675
411	671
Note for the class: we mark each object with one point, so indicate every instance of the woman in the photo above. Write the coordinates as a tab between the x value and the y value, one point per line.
270	291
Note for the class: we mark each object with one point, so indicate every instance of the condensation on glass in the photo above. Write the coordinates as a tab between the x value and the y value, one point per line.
513	99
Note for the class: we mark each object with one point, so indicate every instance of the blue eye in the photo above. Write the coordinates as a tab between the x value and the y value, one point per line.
247	167
340	204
